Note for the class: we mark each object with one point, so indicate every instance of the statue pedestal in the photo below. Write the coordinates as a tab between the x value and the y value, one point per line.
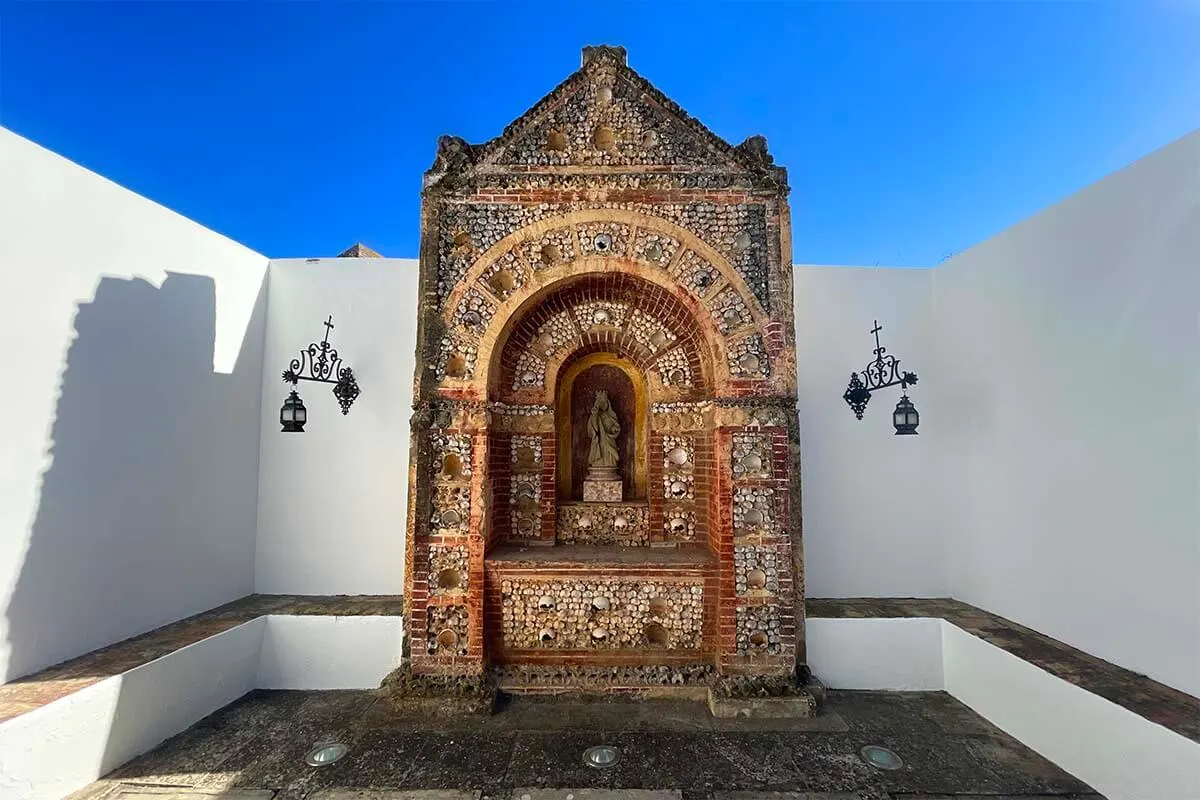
602	485
602	491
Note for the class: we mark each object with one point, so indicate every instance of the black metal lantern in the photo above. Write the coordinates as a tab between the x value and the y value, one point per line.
905	417
320	363
881	373
293	415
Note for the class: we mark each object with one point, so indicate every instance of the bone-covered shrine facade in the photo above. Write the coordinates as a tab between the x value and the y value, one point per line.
605	242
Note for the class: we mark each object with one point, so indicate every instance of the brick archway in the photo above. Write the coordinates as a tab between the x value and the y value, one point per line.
611	312
699	509
616	312
501	283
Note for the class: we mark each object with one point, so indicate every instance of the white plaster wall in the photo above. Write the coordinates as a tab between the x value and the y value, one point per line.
59	748
311	652
872	516
903	655
128	469
1068	393
332	500
1121	755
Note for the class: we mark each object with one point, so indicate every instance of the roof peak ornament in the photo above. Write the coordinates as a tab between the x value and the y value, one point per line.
600	52
755	149
453	153
358	250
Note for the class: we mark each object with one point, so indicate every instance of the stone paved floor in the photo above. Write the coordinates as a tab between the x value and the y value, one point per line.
259	743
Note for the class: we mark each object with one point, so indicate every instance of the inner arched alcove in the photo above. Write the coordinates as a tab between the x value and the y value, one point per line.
579	383
610	335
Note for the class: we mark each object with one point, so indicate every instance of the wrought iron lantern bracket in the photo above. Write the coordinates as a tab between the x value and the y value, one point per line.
321	363
882	372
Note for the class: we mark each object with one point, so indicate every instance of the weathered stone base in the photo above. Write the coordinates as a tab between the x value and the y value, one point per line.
756	696
689	681
602	491
726	696
439	695
568	694
805	705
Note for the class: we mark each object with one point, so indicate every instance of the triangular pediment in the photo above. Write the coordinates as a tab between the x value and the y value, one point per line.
358	250
605	117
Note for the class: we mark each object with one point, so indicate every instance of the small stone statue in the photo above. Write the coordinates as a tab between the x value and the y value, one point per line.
603	427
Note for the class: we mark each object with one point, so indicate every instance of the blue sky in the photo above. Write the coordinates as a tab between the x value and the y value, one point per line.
909	130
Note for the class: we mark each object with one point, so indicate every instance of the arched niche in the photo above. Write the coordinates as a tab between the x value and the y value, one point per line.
603	323
576	384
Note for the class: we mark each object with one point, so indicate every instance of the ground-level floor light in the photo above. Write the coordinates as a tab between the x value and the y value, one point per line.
880	757
325	753
602	756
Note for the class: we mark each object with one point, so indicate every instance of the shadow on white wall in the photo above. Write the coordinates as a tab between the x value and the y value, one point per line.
143	515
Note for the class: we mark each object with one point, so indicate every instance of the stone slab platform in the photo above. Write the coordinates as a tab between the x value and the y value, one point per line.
596	794
396	794
759	707
128	791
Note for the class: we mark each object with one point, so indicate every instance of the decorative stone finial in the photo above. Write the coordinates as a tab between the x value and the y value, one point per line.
596	52
359	250
756	148
453	154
